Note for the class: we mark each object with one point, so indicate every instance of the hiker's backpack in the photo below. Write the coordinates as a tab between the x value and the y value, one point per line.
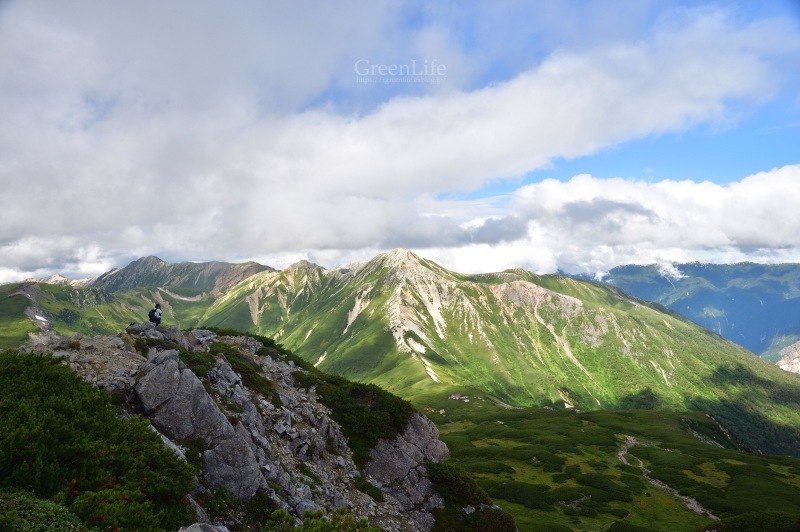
152	314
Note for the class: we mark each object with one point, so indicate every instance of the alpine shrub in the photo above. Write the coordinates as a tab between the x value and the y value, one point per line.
60	439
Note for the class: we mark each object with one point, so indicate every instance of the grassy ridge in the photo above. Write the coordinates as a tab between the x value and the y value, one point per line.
13	322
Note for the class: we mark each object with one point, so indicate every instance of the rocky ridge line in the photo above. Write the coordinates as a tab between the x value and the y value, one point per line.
291	452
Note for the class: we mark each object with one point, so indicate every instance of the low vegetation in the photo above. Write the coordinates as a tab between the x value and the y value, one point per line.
20	510
365	412
561	470
62	441
463	497
13	322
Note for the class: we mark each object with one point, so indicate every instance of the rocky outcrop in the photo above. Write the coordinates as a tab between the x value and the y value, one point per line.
398	468
283	445
176	402
790	358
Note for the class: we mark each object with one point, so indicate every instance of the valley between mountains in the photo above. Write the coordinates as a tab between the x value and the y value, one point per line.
527	376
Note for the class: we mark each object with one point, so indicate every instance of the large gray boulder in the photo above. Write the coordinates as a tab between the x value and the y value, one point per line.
398	468
178	405
232	465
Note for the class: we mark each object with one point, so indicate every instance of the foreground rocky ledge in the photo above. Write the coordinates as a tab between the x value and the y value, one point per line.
291	452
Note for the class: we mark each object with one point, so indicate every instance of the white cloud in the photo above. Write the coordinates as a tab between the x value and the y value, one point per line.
670	270
594	224
205	131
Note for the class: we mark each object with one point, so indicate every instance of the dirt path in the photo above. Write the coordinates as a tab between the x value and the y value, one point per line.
622	455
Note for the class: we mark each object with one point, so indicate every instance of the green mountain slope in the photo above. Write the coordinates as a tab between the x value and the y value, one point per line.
15	321
417	329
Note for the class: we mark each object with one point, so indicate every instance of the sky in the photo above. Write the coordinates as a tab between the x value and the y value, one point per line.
568	135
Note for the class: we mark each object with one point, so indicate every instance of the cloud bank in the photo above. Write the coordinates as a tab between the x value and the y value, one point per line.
590	224
212	133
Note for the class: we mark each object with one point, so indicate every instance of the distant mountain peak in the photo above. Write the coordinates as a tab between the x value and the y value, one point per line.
304	265
152	271
61	280
399	256
150	259
405	260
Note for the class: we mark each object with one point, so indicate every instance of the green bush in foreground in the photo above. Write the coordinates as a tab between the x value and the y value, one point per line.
60	439
366	412
23	511
259	514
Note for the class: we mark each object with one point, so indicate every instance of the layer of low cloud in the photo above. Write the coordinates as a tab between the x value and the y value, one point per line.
589	224
212	133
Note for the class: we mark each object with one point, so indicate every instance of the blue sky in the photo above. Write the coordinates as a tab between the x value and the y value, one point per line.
572	135
765	138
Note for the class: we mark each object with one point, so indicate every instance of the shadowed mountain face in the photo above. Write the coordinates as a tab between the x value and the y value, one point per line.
754	305
420	330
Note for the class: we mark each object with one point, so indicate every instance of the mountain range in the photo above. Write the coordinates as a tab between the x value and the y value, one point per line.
572	404
424	332
754	305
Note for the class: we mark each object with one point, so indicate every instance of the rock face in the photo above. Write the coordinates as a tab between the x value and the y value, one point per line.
178	405
284	446
790	358
152	271
398	469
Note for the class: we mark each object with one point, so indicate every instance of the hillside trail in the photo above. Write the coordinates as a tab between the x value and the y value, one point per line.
622	454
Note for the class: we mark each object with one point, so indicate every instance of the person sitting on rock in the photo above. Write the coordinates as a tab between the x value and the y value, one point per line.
155	314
